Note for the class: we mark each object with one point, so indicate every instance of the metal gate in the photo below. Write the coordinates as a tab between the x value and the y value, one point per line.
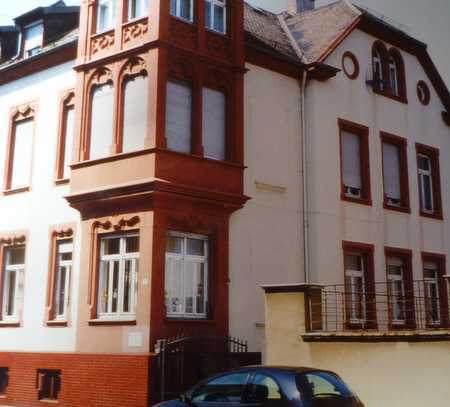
185	360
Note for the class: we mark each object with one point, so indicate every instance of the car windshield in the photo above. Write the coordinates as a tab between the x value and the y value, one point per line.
324	389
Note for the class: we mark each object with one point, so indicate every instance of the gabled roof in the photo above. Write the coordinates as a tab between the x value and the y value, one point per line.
56	8
313	35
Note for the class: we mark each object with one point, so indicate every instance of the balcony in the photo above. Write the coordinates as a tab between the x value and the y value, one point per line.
389	312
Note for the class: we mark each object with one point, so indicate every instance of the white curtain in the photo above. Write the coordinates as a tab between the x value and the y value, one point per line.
214	123
351	160
391	170
179	117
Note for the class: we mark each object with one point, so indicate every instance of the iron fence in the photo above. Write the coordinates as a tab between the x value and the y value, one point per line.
387	307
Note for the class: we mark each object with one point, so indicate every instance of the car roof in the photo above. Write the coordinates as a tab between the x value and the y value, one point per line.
286	369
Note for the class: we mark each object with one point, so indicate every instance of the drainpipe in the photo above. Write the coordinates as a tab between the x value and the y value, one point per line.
303	177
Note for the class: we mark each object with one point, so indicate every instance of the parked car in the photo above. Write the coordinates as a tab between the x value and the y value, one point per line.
269	386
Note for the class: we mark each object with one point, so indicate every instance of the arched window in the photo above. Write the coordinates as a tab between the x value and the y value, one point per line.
101	129
135	113
379	67
397	80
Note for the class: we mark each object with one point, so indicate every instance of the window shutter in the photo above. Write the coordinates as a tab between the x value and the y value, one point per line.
102	121
22	152
179	117
351	160
135	113
391	171
214	124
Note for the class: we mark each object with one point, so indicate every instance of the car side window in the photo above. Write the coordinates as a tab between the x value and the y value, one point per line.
223	389
264	390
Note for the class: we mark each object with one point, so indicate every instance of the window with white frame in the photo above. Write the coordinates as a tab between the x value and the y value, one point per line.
425	183
179	117
33	39
186	276
351	164
393	76
355	288
432	295
137	9
216	15
106	14
396	289
391	174
13	271
118	276
214	124
182	9
61	295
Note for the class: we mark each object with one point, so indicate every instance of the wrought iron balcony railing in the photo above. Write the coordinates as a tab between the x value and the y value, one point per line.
388	307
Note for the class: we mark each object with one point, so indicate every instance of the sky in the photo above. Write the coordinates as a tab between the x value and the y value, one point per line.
427	20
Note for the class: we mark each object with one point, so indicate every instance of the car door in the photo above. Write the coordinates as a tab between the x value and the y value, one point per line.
223	391
264	391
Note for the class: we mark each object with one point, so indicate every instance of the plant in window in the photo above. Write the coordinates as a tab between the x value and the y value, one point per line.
186	275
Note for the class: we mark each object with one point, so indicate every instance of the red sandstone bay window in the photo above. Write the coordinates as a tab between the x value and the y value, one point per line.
20	151
137	8
215	15
395	172
118	276
186	276
360	306
12	277
183	9
355	171
429	181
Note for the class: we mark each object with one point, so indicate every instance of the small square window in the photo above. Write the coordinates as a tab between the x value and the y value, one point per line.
3	379
48	384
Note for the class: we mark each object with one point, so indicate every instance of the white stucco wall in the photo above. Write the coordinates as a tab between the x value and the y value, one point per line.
36	211
333	220
265	236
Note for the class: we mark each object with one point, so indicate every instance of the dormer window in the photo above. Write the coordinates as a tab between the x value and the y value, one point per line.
137	9
106	14
33	39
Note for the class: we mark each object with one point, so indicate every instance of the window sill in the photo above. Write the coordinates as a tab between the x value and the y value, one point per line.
15	191
219	33
437	215
9	324
400	99
182	20
135	20
56	323
362	201
62	181
403	209
50	401
111	322
109	30
174	320
111	158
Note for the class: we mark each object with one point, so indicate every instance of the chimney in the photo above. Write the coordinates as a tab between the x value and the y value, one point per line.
298	6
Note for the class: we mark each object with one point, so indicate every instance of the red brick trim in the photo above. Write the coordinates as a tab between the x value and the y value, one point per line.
401	143
363	132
